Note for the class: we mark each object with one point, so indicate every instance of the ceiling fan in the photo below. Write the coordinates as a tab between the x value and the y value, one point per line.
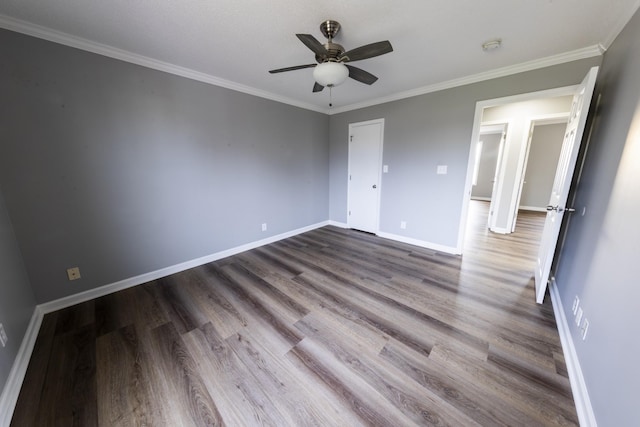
331	57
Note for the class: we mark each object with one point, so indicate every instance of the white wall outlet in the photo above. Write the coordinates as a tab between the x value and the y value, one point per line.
3	336
264	226
403	224
584	329
385	169
73	273
576	304
579	316
442	170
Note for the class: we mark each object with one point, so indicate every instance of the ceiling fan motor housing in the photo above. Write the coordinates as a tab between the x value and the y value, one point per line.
330	28
334	49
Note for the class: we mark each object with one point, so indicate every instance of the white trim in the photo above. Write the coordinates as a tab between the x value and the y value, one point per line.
475	135
482	199
532	208
338	224
423	244
90	294
586	417
12	387
575	55
59	37
501	171
501	230
523	158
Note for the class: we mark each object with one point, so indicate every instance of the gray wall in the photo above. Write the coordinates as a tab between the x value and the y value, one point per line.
487	165
122	170
422	132
16	299
600	261
541	167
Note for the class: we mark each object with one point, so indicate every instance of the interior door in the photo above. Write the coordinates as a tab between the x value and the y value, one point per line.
495	199
566	165
365	157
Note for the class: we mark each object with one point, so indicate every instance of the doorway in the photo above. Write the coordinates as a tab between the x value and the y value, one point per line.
365	164
520	115
556	207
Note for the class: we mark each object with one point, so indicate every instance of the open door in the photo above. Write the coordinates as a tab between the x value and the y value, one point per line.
564	172
495	194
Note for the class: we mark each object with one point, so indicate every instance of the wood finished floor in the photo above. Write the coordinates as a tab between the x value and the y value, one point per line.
329	328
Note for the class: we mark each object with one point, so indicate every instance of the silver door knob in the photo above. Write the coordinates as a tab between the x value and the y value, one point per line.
375	186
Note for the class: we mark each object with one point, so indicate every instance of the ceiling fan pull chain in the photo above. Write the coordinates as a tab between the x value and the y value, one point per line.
330	97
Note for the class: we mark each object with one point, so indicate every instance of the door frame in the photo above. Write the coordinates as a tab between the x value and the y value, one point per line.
498	174
523	161
475	134
379	121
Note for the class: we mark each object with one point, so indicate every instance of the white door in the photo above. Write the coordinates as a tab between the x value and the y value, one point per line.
365	158
562	181
495	195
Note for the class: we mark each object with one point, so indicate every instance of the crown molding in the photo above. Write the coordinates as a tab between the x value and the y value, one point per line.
59	37
587	52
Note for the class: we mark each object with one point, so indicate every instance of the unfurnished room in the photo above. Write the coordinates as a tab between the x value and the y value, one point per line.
326	213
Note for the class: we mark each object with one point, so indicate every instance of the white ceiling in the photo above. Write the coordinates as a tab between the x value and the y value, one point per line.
233	43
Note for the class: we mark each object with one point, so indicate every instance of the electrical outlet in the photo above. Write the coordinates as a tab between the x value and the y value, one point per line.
73	273
584	329
579	316
264	226
403	224
576	303
3	336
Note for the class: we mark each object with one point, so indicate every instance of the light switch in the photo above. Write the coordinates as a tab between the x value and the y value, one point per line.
385	168
442	170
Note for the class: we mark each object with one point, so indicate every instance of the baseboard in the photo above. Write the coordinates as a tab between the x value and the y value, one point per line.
500	230
338	224
12	387
421	243
578	386
90	294
532	208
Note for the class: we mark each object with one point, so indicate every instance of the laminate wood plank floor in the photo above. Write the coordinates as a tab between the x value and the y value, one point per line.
332	327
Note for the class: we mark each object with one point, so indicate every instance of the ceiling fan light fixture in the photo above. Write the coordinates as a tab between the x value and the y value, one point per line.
330	73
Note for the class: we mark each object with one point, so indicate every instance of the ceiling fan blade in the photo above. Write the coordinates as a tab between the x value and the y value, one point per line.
297	67
361	75
317	87
366	51
313	44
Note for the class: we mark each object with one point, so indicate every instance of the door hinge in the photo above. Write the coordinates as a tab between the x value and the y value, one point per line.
349	213
350	138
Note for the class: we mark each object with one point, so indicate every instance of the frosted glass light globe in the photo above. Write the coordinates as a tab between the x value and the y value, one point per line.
330	73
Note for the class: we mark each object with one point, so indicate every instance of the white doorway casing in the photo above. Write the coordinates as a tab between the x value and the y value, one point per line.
477	124
532	122
364	175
